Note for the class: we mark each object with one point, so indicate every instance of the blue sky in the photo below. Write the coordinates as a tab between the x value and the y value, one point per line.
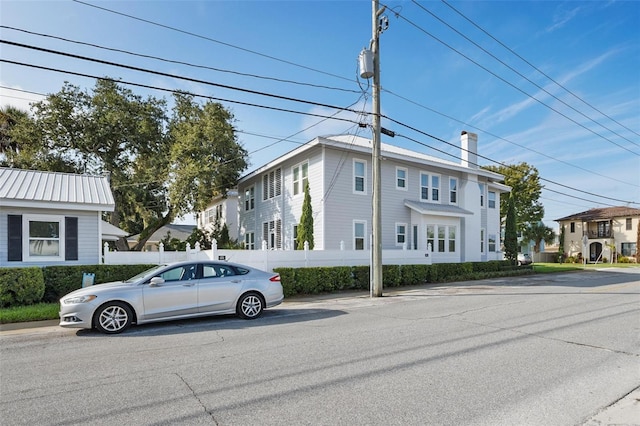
563	95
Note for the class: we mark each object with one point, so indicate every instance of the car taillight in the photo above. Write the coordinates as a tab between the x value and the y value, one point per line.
275	279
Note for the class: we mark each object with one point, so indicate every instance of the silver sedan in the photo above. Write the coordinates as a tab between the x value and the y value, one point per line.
173	291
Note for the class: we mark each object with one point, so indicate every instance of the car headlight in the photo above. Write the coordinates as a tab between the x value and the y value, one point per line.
80	299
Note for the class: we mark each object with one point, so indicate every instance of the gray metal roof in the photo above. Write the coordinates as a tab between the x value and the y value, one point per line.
32	188
436	209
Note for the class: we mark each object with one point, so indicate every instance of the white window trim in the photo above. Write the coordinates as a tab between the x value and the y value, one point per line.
406	178
364	178
431	188
456	190
248	244
397	234
26	257
251	196
495	199
354	236
428	175
483	237
495	242
301	179
483	198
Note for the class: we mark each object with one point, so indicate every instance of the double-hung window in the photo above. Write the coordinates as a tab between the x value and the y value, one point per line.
401	234
424	186
492	200
249	198
359	233
250	241
492	243
435	188
453	191
401	178
300	177
359	176
481	187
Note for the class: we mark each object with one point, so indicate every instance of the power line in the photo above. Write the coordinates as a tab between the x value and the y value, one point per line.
171	61
520	74
513	85
536	68
147	86
290	111
486	132
163	74
333	75
211	40
497	162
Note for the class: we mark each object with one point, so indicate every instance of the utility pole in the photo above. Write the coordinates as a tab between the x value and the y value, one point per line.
376	269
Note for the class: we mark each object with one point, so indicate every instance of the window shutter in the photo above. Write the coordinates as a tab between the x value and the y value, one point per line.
14	232
70	238
278	182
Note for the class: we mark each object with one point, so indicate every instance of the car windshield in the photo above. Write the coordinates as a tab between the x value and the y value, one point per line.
146	274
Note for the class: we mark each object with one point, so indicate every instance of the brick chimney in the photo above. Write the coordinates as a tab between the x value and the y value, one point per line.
469	148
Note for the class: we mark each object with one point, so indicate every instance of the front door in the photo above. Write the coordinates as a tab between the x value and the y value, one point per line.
595	251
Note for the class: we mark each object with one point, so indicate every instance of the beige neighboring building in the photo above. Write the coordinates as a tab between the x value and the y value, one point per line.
593	232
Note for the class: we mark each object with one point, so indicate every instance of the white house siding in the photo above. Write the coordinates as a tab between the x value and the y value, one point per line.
337	206
89	241
342	205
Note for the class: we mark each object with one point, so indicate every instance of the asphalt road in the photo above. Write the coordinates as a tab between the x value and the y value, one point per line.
544	350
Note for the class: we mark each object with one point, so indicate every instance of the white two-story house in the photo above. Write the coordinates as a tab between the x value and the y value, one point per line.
452	207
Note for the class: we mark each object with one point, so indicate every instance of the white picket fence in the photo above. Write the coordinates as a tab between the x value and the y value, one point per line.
267	260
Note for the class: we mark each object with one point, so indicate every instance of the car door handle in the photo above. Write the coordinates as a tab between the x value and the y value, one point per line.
236	281
188	284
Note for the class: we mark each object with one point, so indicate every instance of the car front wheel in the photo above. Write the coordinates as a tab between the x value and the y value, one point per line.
250	306
113	317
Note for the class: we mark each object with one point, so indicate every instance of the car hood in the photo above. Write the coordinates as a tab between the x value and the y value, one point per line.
99	288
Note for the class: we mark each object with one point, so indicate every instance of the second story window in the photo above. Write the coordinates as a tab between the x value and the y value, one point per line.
628	224
453	191
300	177
359	176
435	188
401	178
492	200
572	227
272	184
481	187
249	198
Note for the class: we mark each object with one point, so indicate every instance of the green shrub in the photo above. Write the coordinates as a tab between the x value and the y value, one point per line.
361	277
60	280
624	259
21	286
570	259
391	276
287	279
413	274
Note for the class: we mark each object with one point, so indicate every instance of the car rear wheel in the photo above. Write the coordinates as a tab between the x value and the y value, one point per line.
250	306
113	317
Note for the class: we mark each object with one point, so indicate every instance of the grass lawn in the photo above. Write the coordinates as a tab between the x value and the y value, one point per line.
37	312
545	268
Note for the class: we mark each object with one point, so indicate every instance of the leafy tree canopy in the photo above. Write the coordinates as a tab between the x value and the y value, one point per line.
538	232
161	164
525	188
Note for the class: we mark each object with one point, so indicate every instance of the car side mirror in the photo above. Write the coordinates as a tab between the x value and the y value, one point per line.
156	281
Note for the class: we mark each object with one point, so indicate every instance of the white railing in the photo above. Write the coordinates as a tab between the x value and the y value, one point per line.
269	259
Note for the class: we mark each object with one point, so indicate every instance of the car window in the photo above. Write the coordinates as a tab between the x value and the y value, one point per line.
214	271
180	273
